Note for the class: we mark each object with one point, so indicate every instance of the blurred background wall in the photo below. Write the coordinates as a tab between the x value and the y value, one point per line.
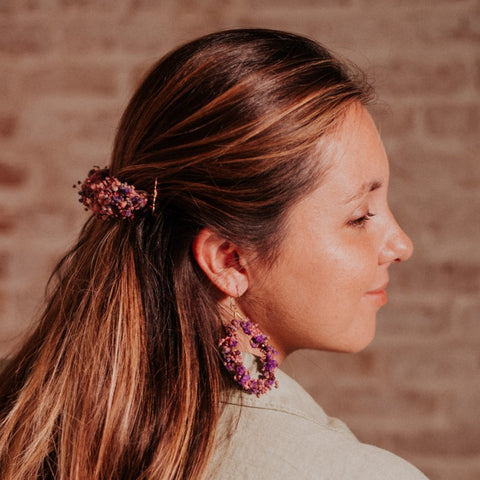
67	70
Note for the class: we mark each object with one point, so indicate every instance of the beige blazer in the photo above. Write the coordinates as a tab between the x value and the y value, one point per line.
285	434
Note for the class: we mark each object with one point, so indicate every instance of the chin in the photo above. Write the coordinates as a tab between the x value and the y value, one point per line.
364	344
360	339
357	348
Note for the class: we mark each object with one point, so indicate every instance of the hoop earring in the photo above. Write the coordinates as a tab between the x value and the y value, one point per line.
233	360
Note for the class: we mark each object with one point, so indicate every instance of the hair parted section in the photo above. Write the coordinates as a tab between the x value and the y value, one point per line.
122	378
266	99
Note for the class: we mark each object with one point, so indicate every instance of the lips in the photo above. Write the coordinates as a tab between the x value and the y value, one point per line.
380	288
379	295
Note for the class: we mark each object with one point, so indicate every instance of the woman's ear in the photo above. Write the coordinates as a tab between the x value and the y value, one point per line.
222	262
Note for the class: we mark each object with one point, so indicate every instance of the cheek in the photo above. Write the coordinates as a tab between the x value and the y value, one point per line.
323	282
347	266
313	294
322	267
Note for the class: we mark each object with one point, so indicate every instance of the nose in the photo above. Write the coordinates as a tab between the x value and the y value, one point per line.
397	246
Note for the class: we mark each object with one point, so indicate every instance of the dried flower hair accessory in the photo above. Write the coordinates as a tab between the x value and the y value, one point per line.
108	197
233	360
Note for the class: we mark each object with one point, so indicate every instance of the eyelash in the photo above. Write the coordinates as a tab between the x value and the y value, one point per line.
361	222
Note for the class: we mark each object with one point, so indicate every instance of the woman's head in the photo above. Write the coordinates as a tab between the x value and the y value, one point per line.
230	127
227	125
331	269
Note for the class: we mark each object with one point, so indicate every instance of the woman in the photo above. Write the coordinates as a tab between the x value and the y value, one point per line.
243	216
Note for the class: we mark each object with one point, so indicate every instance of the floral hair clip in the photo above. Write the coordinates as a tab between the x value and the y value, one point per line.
108	197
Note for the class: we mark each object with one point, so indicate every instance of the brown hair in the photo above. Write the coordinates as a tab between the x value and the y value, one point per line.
122	377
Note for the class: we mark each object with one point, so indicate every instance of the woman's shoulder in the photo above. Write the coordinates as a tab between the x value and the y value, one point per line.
370	462
286	435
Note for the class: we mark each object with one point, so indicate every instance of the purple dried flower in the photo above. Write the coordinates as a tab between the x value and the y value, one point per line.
234	363
107	197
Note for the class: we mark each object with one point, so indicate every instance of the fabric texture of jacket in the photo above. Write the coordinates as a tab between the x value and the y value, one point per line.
285	434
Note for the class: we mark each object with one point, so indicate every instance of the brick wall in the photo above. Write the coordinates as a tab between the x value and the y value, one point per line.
67	70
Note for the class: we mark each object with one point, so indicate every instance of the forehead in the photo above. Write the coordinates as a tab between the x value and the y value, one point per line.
354	156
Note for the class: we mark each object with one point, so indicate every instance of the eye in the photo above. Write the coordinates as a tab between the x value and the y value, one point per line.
361	221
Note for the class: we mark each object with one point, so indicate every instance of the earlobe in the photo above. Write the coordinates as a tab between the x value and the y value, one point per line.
221	261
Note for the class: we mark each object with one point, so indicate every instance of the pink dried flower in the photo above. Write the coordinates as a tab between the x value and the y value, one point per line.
107	197
233	360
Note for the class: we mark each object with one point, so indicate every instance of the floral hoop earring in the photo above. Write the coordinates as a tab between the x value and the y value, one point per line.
233	360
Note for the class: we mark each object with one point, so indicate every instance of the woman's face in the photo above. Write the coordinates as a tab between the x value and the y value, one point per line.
329	279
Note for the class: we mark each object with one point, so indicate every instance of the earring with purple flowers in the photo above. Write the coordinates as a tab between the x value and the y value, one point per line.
233	361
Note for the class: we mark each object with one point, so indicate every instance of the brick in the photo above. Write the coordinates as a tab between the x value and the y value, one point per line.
427	168
447	26
412	316
378	402
7	221
465	405
408	77
152	35
8	81
49	121
450	467
3	311
14	322
8	124
137	73
359	367
447	278
434	243
309	21
434	197
448	441
465	320
25	6
43	216
4	263
400	5
339	4
70	79
477	74
12	176
139	5
91	33
453	120
408	30
437	364
30	267
102	5
469	25
25	37
393	122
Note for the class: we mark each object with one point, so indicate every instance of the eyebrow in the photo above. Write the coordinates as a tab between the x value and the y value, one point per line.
366	187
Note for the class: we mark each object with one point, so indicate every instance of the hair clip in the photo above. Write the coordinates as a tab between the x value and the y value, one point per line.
108	197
